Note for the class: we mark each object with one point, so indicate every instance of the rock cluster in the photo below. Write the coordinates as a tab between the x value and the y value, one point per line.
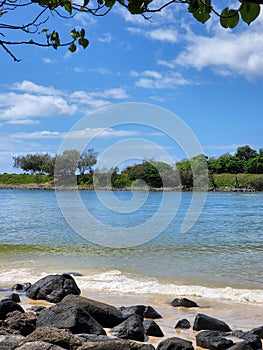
78	323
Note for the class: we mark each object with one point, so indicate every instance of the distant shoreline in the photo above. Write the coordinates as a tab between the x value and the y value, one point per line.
50	187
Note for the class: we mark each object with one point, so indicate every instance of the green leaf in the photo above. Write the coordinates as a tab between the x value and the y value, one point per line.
249	12
224	18
100	2
72	48
83	42
201	16
75	35
229	18
233	19
82	33
109	3
193	6
85	3
68	6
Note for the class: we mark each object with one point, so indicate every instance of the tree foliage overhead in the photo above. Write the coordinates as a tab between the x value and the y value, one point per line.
30	19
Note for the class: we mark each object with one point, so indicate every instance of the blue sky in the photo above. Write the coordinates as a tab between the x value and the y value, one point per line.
210	77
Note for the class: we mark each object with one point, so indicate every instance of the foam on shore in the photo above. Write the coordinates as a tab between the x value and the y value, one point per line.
115	281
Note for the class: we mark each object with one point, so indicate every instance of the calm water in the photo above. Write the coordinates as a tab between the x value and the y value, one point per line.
223	249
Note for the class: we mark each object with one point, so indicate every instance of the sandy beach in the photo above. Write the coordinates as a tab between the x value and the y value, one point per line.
238	315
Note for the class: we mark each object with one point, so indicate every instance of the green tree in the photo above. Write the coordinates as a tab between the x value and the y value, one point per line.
245	152
67	163
34	163
254	165
87	160
186	173
30	19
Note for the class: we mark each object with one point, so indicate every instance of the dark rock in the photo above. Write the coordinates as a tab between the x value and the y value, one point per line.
55	336
150	312
175	343
86	337
13	297
22	287
258	331
238	333
252	340
213	340
183	302
8	306
132	310
152	329
53	288
183	324
10	342
20	322
240	346
132	328
202	322
39	345
116	345
141	310
71	316
107	315
36	309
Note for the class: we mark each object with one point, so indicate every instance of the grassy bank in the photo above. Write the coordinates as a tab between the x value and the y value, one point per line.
24	179
220	181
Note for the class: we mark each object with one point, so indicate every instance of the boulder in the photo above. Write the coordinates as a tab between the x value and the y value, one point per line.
132	328
69	316
175	343
53	288
22	287
13	296
106	315
8	306
204	322
141	310
213	340
39	345
151	328
258	331
183	324
21	322
240	346
55	336
183	302
115	345
252	340
150	312
10	342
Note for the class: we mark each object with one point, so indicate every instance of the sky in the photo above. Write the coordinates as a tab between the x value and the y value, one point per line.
209	78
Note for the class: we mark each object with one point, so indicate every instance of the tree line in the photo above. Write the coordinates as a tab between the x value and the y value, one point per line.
184	174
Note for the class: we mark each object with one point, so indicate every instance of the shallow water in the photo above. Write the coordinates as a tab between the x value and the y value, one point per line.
219	257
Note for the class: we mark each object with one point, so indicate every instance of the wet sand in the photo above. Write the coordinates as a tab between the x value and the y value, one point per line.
244	316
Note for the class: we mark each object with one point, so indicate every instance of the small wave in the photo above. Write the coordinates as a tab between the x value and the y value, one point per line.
115	281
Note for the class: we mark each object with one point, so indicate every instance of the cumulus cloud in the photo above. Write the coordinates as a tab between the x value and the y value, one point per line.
160	80
160	34
27	102
226	52
21	106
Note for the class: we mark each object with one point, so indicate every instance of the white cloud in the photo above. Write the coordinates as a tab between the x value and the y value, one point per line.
226	52
157	80
160	34
23	122
29	86
21	106
107	38
45	134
